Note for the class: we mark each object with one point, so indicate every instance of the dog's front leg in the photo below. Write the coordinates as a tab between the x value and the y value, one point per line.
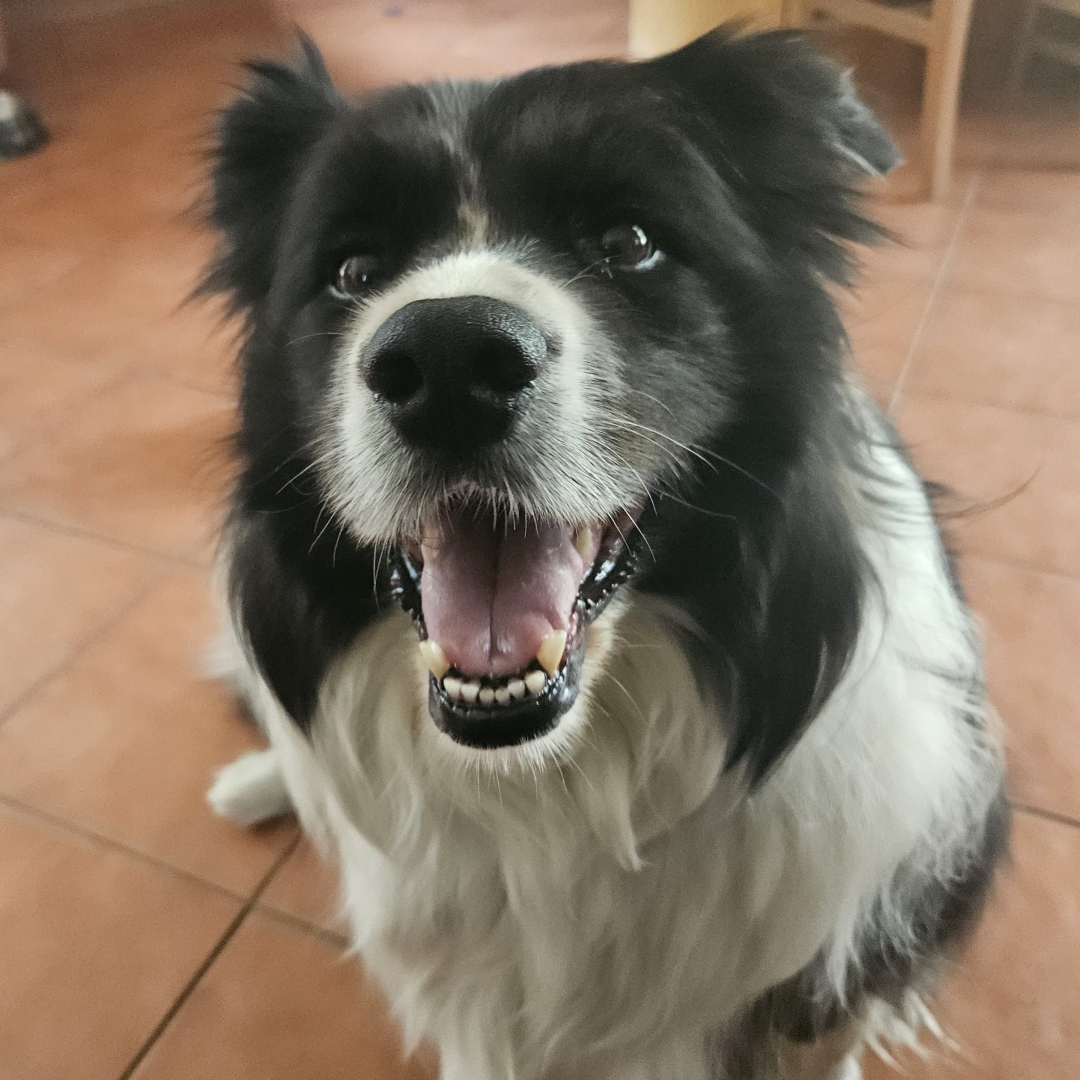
250	789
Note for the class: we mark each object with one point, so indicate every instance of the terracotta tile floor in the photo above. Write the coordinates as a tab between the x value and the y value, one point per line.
140	936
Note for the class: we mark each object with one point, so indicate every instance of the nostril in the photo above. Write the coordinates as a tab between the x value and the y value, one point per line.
395	376
449	372
502	366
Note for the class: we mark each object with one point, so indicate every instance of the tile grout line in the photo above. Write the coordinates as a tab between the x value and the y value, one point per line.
105	840
113	378
64	824
999	292
229	396
125	369
1046	815
1023	410
208	962
940	277
1017	564
1033	297
331	937
83	644
79	533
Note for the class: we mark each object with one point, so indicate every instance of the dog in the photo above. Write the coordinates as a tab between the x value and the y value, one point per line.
600	626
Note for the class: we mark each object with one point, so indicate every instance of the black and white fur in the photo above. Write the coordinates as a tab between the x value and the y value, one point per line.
775	806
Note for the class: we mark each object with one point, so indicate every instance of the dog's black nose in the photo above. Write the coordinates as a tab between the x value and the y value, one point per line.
451	372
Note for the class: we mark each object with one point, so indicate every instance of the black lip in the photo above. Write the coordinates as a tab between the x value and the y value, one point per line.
492	727
509	725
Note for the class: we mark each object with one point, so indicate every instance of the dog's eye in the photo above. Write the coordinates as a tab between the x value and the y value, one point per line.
354	276
626	247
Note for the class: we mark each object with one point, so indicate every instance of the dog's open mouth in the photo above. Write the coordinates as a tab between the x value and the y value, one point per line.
502	608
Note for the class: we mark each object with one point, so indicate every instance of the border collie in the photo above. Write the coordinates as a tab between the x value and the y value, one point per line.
598	623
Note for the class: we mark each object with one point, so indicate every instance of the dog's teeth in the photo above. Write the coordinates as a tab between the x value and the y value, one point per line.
583	543
535	681
435	658
487	696
551	650
502	695
469	692
516	688
452	687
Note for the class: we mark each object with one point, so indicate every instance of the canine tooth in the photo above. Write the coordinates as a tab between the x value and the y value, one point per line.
551	650
487	696
516	688
452	687
469	691
434	657
535	682
502	695
583	543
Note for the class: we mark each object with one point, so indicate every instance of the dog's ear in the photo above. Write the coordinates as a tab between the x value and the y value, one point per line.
262	140
774	87
771	578
784	127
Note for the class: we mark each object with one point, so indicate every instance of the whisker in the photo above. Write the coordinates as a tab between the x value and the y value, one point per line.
319	535
308	337
700	454
653	398
582	273
311	465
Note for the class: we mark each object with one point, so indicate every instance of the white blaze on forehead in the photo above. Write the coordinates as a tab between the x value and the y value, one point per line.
474	224
454	102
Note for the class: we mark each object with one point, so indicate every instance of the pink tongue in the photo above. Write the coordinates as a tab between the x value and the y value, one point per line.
492	593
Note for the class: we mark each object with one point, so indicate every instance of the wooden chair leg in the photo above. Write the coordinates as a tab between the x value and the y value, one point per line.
941	91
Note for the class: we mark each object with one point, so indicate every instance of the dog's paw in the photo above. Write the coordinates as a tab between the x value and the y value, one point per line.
251	789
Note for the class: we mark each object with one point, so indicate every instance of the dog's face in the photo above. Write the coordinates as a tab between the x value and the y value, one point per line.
496	325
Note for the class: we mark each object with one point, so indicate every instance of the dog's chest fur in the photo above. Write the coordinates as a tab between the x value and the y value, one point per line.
630	893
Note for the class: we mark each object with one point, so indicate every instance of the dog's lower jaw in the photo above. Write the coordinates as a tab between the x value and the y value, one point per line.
467	775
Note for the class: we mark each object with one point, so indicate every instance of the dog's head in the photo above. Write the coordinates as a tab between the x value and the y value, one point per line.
513	344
